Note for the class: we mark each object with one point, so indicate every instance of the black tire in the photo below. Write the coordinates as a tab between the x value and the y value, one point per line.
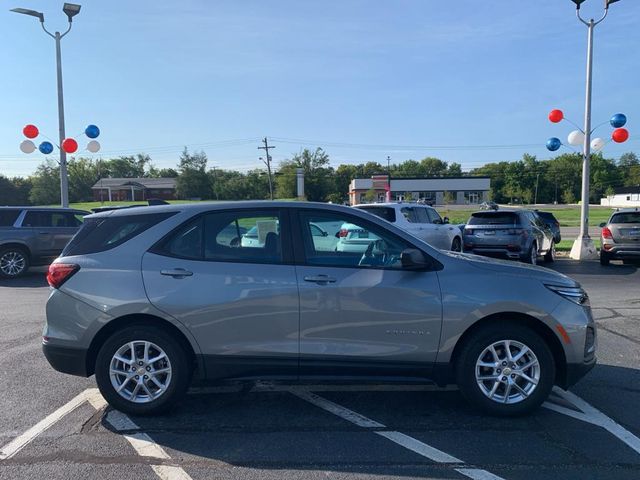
11	254
550	256
604	258
181	370
529	257
476	344
456	245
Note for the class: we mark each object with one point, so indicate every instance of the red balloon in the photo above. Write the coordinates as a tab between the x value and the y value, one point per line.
30	131
620	135
69	145
556	116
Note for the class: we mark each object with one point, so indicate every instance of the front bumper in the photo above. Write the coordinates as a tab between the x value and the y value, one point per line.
66	360
575	371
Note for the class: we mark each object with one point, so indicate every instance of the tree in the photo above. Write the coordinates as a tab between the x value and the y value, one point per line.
568	196
45	181
83	174
433	167
193	181
127	166
370	196
318	180
14	191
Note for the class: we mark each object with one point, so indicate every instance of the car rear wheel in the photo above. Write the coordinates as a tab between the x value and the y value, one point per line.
550	256
505	370
456	245
142	370
604	258
14	262
532	255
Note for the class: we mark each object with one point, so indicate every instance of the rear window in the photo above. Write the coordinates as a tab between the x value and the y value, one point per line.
386	213
547	216
627	217
105	233
8	217
497	218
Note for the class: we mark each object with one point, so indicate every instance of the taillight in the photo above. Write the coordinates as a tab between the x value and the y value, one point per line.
606	233
343	233
60	272
516	231
468	231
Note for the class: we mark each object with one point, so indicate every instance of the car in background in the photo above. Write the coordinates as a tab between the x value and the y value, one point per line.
149	298
419	220
32	236
512	234
489	206
256	235
552	222
620	237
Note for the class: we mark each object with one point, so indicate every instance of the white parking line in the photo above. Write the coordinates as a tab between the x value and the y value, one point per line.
399	438
592	415
18	443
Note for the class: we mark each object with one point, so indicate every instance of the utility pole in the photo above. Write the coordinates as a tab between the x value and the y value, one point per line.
388	193
535	201
267	162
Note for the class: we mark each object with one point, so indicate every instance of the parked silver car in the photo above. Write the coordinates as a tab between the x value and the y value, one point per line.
34	236
620	236
146	298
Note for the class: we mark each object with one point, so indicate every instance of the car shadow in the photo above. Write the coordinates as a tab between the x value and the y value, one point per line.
28	280
277	430
591	267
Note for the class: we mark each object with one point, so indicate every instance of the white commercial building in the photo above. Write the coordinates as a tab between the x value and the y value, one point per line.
624	197
436	190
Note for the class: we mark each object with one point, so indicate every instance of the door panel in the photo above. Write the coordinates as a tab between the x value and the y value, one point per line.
243	314
363	313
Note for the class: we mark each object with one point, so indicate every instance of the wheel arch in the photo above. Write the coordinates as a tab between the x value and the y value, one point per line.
518	318
136	319
20	245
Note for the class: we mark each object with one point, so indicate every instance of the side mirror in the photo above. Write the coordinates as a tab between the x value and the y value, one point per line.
445	220
325	234
413	259
603	224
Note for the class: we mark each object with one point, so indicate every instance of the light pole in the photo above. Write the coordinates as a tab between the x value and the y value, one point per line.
583	247
71	10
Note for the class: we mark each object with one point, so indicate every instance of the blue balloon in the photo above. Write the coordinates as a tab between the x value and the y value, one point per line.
618	120
553	144
92	131
46	148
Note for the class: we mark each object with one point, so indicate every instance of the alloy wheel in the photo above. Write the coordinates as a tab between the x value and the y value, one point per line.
507	372
12	263
140	371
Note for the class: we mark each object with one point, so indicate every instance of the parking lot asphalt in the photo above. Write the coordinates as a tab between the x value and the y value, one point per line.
56	426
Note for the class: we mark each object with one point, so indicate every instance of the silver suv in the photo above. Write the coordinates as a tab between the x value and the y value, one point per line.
146	298
620	237
34	236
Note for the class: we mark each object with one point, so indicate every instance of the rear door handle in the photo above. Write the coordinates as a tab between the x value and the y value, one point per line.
176	273
320	279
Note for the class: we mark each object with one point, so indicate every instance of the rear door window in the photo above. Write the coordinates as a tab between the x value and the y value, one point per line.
8	217
34	218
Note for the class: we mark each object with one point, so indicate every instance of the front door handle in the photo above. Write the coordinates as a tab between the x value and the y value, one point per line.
176	273
320	279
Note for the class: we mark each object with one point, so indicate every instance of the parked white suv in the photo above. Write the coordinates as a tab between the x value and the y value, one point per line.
421	221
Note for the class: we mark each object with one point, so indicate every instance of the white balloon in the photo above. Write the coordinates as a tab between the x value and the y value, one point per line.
576	138
27	146
93	146
597	144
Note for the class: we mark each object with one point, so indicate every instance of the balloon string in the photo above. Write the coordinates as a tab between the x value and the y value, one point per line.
598	126
567	120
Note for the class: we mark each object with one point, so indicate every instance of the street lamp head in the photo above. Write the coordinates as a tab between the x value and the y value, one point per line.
578	3
609	2
26	11
71	9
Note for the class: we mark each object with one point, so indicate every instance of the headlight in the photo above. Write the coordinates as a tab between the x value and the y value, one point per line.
574	294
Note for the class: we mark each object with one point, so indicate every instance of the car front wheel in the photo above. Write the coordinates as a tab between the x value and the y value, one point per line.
456	245
506	371
142	370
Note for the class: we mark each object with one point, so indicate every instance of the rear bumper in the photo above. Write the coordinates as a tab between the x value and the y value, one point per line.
495	252
66	360
623	251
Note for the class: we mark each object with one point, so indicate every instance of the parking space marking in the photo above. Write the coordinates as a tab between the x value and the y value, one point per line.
592	415
18	443
399	438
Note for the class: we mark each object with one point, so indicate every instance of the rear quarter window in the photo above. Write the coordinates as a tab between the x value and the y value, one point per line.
104	233
386	213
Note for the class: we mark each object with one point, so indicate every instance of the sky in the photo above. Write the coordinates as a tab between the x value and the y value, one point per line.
466	81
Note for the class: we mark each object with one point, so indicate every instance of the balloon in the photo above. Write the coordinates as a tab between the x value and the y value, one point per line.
30	131
597	144
618	120
92	131
553	144
46	148
27	146
69	145
93	146
556	116
620	135
576	138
